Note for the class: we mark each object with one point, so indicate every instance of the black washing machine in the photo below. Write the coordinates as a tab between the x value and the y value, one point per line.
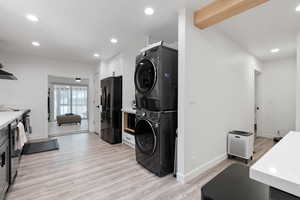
155	140
156	79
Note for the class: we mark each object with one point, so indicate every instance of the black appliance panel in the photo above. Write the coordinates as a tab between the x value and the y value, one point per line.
4	162
146	138
162	96
131	121
145	76
234	183
111	115
6	75
14	152
164	125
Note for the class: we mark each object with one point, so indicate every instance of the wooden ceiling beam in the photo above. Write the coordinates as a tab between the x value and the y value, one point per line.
219	10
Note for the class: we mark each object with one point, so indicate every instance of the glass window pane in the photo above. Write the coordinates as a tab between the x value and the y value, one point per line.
79	101
62	100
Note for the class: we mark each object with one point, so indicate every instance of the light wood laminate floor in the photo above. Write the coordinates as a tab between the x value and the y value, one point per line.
64	129
87	168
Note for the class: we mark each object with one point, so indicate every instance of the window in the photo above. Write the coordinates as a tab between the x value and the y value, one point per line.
79	101
70	99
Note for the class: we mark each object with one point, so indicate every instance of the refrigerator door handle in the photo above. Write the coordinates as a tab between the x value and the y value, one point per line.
103	100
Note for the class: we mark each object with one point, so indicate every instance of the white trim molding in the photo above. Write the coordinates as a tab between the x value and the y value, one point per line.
184	178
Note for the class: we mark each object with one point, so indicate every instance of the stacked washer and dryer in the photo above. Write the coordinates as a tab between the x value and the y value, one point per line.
156	83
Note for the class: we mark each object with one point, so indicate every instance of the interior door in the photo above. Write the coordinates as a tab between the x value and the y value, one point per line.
97	103
257	100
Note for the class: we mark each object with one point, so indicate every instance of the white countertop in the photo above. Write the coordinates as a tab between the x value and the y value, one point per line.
280	167
7	117
129	110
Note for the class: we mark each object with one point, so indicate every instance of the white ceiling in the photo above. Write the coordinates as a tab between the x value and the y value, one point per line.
76	29
272	25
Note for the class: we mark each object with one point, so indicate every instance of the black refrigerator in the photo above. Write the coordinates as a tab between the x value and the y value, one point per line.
111	114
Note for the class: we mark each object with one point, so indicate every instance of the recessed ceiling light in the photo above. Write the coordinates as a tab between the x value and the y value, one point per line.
276	50
113	40
149	11
32	18
96	55
36	44
298	8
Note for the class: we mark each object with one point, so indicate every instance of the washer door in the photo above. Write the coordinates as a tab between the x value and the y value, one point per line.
145	76
145	137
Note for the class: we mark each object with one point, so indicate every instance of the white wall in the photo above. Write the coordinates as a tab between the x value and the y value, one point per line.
113	65
123	64
298	85
216	95
31	88
277	97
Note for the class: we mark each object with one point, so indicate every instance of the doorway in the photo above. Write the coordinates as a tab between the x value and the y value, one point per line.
67	106
97	96
257	125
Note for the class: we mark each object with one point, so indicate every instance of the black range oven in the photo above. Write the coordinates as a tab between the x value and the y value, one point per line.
4	162
14	152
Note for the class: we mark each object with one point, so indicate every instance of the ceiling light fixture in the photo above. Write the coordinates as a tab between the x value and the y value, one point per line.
149	11
276	50
78	80
36	44
113	40
96	55
32	18
298	8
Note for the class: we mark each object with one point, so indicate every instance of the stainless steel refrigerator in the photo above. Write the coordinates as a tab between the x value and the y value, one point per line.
111	114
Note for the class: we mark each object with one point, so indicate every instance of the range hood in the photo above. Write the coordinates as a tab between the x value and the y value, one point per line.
6	75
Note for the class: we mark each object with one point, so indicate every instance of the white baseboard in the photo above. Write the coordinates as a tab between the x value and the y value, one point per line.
272	134
267	135
183	178
180	177
37	139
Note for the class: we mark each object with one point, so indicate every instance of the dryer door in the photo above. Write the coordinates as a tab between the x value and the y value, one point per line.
145	137
145	76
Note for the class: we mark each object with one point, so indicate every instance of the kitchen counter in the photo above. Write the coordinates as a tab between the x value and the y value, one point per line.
280	167
129	110
234	184
7	117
